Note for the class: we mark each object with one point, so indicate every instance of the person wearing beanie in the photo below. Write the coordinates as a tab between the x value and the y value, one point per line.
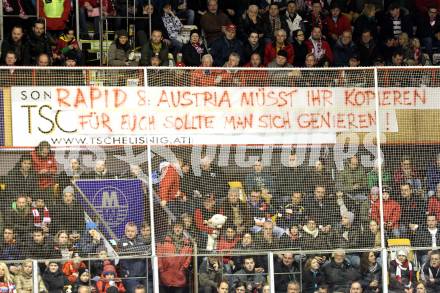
346	236
91	239
67	213
109	283
84	280
280	61
193	51
120	53
402	274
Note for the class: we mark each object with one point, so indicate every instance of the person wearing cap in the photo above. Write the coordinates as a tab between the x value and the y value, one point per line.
346	236
213	22
193	51
84	280
173	269
402	274
337	23
222	48
280	43
109	282
120	52
395	22
345	49
91	239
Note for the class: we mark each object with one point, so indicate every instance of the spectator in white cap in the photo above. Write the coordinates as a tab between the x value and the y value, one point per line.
402	274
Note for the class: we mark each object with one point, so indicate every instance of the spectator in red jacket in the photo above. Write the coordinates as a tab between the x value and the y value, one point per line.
172	269
71	269
319	47
337	23
280	42
434	204
56	18
169	187
391	213
44	163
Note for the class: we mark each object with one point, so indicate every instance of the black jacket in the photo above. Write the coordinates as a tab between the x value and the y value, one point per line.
37	45
21	50
54	282
190	55
312	280
340	277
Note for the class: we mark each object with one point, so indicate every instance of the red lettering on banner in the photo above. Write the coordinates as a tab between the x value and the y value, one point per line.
321	97
396	97
189	122
356	97
134	122
177	98
62	96
120	97
95	94
330	120
274	121
80	100
264	98
95	121
239	122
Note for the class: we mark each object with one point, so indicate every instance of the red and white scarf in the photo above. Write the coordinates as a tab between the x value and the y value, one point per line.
405	266
37	217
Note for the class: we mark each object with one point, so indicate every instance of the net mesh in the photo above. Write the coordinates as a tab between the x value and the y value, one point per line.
242	162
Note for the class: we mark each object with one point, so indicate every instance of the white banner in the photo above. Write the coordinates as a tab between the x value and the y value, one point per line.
89	115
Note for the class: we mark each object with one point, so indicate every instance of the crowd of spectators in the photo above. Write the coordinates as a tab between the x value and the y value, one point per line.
301	33
304	211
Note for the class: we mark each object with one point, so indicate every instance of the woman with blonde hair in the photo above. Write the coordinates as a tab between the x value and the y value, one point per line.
6	280
23	280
